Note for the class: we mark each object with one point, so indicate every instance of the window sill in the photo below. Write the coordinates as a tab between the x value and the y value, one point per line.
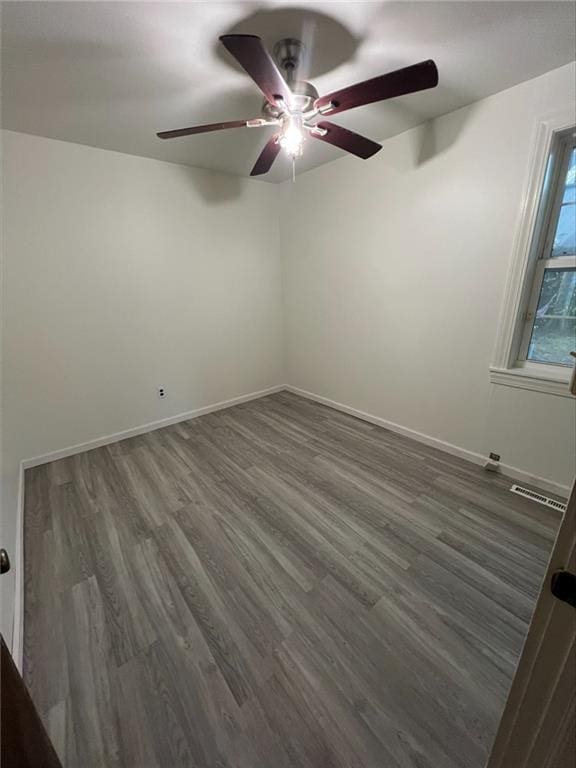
537	379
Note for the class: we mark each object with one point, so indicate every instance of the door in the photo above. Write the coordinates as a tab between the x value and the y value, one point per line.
24	741
538	727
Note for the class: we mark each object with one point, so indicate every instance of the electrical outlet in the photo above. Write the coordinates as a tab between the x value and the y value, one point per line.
495	456
161	392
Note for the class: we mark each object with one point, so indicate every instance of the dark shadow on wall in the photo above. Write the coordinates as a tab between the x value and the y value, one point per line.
441	133
215	187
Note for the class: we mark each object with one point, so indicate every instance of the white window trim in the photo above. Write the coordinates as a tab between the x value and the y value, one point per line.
506	368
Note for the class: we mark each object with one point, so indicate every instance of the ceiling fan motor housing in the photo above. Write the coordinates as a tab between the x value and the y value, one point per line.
304	97
288	56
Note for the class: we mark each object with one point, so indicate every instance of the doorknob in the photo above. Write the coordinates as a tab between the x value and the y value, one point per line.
4	561
563	586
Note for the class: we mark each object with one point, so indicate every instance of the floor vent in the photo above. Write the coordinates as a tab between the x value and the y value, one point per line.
546	500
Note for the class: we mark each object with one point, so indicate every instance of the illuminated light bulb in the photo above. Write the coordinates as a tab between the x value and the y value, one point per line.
292	138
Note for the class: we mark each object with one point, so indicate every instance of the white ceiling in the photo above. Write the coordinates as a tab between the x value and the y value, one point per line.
111	74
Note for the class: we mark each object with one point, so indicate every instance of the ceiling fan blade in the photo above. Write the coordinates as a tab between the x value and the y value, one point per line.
266	157
418	77
348	140
250	53
202	129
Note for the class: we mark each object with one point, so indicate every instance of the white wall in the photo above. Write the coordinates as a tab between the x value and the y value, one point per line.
123	274
394	274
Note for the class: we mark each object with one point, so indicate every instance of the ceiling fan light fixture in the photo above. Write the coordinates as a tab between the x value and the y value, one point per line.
292	137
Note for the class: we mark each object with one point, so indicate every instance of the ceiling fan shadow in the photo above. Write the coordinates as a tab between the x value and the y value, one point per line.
438	135
327	43
217	188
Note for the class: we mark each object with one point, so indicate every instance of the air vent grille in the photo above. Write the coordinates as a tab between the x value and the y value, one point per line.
546	500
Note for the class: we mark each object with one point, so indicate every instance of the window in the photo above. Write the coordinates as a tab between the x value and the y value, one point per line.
550	332
538	320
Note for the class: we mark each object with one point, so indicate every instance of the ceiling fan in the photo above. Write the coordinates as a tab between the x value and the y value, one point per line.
295	106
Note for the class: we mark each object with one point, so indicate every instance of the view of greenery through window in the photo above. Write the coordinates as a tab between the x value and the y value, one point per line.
554	331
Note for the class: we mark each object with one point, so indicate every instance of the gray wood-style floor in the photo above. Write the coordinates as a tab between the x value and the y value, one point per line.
277	585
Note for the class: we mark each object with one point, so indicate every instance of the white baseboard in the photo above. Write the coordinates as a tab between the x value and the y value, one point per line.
17	645
455	450
115	437
538	482
442	445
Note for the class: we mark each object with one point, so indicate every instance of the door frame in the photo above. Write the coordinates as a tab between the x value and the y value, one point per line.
539	718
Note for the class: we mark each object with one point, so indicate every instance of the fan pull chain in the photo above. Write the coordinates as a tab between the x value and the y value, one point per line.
293	169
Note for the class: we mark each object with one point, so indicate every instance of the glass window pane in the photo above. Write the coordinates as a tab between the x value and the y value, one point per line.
554	331
565	235
569	194
570	179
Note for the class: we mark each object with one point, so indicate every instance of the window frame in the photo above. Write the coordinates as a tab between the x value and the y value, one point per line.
536	226
562	145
